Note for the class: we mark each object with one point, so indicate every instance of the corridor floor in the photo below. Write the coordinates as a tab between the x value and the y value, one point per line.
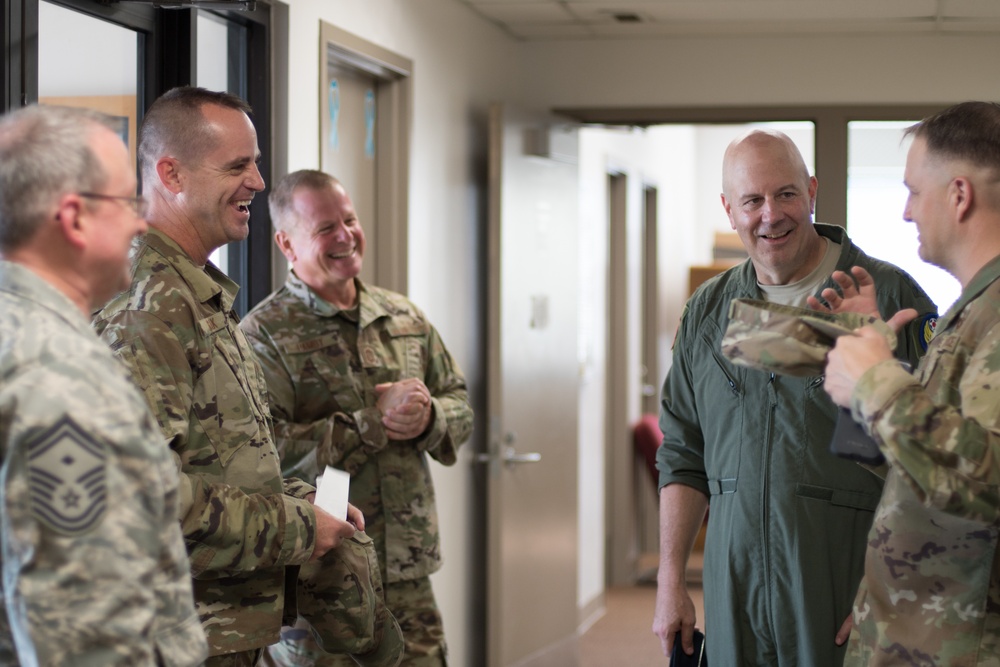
623	637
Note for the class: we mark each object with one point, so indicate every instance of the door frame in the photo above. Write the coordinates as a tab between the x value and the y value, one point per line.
394	101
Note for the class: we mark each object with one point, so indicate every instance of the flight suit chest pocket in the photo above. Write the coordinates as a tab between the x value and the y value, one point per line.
223	399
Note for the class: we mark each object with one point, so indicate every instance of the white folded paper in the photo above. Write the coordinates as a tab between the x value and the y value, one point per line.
332	489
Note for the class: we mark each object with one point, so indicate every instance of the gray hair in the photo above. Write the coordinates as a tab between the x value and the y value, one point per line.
280	202
45	153
175	125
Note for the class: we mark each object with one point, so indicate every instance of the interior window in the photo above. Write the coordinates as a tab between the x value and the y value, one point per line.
875	200
221	65
86	62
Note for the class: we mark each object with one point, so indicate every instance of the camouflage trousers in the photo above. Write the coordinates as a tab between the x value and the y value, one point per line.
413	605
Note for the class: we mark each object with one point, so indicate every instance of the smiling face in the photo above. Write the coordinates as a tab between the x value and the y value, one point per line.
220	182
326	244
769	198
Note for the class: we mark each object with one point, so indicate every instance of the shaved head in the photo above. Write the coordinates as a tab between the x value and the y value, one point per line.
777	144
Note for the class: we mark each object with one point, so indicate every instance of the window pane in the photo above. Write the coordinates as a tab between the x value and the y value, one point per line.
876	197
87	62
221	66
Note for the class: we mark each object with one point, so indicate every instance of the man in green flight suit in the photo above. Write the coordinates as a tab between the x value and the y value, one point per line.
931	589
359	380
788	521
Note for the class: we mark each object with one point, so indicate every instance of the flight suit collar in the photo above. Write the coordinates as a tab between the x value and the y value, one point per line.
848	257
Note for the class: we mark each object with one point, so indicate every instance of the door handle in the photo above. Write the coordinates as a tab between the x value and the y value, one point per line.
510	457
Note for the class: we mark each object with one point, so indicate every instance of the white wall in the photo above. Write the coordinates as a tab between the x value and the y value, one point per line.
765	70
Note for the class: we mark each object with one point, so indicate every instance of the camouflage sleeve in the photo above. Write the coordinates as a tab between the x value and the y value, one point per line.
947	453
306	448
217	518
81	525
680	457
451	423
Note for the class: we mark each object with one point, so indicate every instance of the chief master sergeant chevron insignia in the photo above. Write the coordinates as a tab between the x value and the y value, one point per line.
67	478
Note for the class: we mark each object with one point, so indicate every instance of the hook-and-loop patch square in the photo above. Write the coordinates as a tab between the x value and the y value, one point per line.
67	478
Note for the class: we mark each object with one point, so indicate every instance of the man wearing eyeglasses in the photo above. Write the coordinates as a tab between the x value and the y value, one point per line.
94	566
249	532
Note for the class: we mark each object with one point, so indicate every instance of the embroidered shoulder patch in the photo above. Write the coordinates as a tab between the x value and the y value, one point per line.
67	478
927	329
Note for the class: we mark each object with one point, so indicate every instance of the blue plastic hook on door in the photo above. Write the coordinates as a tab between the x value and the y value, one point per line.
334	104
369	123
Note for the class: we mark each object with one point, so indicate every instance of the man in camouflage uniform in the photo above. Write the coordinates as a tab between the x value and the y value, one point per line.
175	329
94	567
786	531
931	590
360	380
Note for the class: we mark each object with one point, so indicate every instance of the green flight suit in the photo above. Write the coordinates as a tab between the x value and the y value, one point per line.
788	520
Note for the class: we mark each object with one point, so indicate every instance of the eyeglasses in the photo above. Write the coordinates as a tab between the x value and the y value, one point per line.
139	205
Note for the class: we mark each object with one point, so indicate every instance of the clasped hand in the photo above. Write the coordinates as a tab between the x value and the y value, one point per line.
405	407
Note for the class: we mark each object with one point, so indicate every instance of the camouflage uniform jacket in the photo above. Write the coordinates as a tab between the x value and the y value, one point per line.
931	591
321	368
94	567
176	331
788	521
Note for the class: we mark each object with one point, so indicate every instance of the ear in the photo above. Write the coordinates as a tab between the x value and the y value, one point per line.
168	171
729	212
961	197
285	245
72	220
813	188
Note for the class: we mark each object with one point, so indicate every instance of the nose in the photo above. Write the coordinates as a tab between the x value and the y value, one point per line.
770	211
341	233
254	180
907	216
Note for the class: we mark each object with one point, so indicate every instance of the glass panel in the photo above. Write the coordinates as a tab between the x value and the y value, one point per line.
876	197
87	62
221	66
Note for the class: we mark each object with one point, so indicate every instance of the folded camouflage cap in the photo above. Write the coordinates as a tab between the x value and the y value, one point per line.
342	598
788	340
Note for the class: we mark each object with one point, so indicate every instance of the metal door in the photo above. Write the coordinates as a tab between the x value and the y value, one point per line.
533	392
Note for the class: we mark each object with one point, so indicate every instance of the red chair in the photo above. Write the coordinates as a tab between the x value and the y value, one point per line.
646	436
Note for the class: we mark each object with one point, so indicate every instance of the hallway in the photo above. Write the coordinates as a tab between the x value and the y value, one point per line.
623	636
